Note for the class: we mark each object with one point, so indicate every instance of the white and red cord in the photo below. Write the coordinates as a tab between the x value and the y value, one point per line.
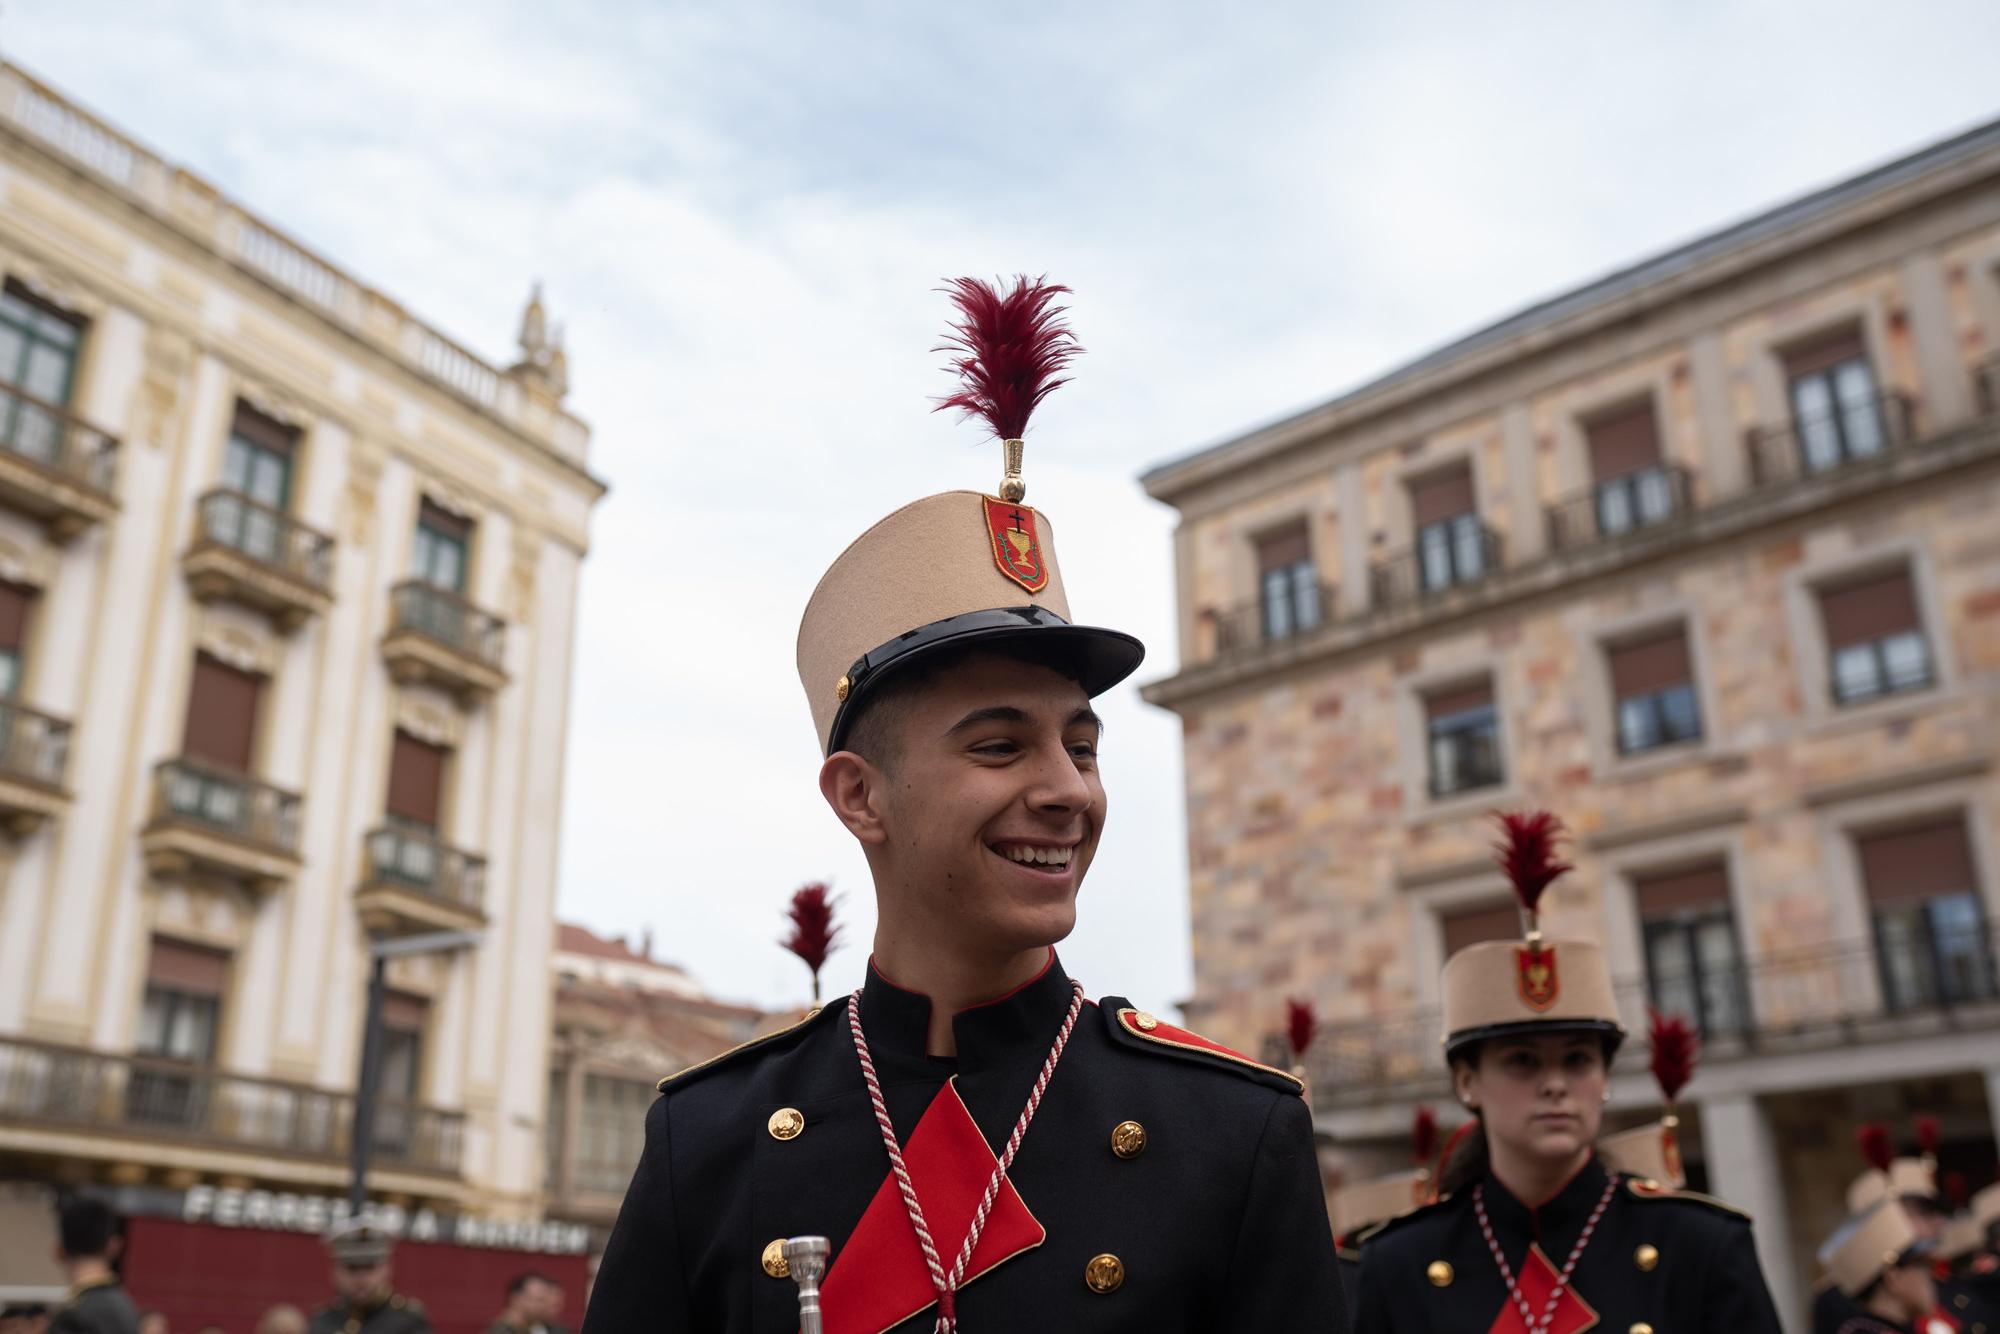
1528	1320
946	1285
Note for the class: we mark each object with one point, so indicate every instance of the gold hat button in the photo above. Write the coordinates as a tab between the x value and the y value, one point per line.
1104	1273
1144	1022
786	1123
1640	1327
1128	1139
775	1263
1440	1274
841	687
1647	1258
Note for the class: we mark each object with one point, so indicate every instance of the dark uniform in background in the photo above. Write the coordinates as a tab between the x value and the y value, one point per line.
357	1243
96	1306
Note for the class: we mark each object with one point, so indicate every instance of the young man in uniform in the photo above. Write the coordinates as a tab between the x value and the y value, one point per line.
87	1234
367	1301
985	1150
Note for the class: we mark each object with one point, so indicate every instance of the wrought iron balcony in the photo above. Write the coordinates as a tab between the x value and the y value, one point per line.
54	466
1268	621
415	882
1620	505
250	553
34	756
74	1089
209	821
1832	996
436	636
1854	432
1453	554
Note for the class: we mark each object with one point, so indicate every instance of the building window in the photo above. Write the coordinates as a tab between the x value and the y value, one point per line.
1836	411
178	1020
1633	487
1693	964
38	351
1470	926
416	782
1875	638
1931	938
258	459
1451	542
405	1018
442	542
613	1133
1464	734
222	715
554	1136
1652	689
1287	584
15	604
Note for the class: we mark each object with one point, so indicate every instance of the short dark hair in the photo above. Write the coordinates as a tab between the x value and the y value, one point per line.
86	1226
875	732
527	1276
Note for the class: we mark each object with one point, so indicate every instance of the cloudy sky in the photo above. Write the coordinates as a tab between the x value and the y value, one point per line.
741	212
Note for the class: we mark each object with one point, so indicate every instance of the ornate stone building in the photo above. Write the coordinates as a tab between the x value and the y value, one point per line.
1703	556
287	608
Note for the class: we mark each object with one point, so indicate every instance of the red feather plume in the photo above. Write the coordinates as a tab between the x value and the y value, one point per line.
1527	853
1675	1051
1876	1149
1009	349
1300	1025
814	933
1424	1136
1927	1135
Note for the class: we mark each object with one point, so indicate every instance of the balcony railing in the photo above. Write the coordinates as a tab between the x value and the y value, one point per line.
415	859
1449	555
1303	610
33	745
1820	996
1857	430
190	792
268	536
1621	505
75	1089
442	615
53	438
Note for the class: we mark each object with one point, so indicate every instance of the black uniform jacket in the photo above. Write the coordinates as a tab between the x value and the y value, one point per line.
101	1307
397	1315
1216	1224
1966	1305
1673	1261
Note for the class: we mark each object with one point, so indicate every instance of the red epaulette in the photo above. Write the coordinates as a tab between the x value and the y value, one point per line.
1135	1028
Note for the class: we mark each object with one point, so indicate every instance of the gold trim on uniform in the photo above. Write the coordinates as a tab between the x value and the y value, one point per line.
1440	1273
1144	1022
786	1123
1104	1273
775	1263
1128	1139
1647	1258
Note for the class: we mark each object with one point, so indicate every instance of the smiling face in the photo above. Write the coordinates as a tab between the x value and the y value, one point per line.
1541	1096
982	807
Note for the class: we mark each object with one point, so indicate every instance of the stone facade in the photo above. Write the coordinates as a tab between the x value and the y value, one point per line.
1323	865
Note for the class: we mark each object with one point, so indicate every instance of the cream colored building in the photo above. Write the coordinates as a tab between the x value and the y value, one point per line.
288	591
1704	557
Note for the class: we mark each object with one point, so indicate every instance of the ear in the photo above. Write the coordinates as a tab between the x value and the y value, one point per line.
1465	1082
853	789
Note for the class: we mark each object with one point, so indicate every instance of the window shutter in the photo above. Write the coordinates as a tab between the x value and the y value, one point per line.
14	603
189	969
1464	699
441	520
1665	895
1442	495
1280	549
1916	864
222	714
1472	925
262	431
416	780
405	1012
1654	664
1884	605
1623	443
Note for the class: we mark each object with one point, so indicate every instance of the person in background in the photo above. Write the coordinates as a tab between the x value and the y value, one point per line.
87	1245
284	1318
366	1302
1881	1263
154	1322
24	1318
533	1301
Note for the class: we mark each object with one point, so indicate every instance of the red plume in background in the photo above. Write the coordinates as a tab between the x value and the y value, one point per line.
1527	853
1424	1136
1873	1140
1927	1135
1957	1189
1009	350
814	933
1675	1051
1300	1025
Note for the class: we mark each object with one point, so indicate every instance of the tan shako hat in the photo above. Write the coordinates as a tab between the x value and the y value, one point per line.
1500	988
1985	1206
1961	1237
957	569
1888	1177
1653	1151
1869	1244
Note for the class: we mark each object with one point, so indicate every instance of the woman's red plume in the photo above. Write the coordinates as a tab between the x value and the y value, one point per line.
1675	1051
814	933
1424	1137
1527	853
1927	1135
1300	1025
1009	350
1876	1149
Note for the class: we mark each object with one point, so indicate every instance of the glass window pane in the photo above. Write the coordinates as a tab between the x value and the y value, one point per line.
270	477
1905	970
1907	659
153	1022
13	347
1855	673
46	374
1305	595
1277	605
236	458
1614	507
1656	494
1470	548
1679	713
1635	724
1434	553
1853	383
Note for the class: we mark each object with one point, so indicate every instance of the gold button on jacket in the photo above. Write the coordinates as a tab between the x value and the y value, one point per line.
1128	1139
1104	1273
786	1123
1647	1258
1439	1274
775	1263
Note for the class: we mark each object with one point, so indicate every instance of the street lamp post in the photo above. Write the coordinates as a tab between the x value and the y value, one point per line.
368	1084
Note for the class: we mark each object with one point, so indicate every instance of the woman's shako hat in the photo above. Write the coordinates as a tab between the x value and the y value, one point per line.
1653	1151
1868	1245
961	568
1501	988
